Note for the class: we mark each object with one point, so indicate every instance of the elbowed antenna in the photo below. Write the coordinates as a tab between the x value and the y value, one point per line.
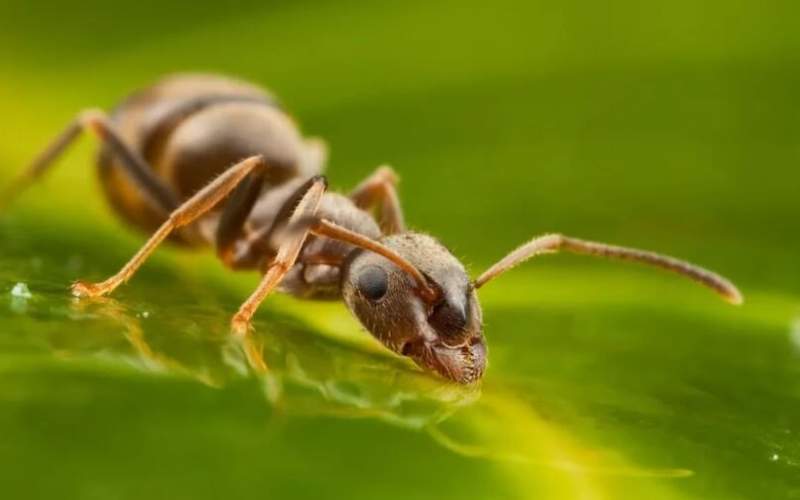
328	229
552	243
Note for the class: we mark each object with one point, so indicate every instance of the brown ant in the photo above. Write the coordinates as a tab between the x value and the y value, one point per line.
207	160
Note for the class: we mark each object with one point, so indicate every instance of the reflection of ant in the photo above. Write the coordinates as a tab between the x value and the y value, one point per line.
172	164
113	310
314	377
317	378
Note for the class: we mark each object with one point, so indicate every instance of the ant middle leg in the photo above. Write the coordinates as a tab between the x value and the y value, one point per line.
240	245
380	189
194	207
156	192
287	254
232	226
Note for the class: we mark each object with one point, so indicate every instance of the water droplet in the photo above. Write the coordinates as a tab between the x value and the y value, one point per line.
21	291
19	298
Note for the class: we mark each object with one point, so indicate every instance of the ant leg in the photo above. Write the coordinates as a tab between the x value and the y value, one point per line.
197	205
232	222
240	246
379	188
286	256
96	121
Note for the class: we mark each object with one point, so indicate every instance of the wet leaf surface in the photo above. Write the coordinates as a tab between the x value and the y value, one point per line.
671	129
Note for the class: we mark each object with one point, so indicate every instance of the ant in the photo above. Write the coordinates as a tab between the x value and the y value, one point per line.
208	160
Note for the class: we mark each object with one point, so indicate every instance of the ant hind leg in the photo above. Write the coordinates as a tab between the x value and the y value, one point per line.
154	190
379	189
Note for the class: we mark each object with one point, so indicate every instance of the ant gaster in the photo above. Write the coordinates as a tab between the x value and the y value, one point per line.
207	160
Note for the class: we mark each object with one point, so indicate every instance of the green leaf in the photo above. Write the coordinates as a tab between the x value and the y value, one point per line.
670	127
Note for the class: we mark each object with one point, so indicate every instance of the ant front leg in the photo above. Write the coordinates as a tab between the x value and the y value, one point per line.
154	190
194	207
287	254
380	189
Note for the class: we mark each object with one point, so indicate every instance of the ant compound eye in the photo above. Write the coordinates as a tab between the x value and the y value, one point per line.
373	282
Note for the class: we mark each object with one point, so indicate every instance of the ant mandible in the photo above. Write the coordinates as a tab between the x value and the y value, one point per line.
208	160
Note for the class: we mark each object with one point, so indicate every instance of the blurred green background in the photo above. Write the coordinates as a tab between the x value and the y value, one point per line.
664	125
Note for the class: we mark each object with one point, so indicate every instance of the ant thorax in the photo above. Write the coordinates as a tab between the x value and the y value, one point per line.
316	273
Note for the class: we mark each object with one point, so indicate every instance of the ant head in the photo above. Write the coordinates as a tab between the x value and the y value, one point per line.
416	298
439	326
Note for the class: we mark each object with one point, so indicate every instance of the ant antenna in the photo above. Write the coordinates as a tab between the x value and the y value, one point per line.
553	243
323	227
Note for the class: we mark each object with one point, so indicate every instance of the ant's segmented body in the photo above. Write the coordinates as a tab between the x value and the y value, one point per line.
206	160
